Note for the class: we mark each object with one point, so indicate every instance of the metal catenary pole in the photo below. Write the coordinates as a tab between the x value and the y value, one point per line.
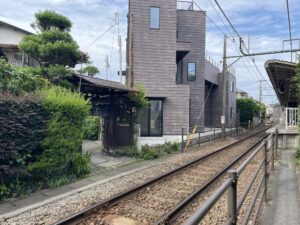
224	72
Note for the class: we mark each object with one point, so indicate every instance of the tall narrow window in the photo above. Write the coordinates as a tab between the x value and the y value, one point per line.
232	86
231	112
191	71
154	17
151	118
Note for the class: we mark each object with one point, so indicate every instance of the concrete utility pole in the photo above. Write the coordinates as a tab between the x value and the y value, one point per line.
224	73
107	66
260	98
120	45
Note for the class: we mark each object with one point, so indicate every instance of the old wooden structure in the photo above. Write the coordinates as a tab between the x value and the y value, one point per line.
110	100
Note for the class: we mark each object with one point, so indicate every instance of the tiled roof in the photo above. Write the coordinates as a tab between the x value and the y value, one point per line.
14	27
104	83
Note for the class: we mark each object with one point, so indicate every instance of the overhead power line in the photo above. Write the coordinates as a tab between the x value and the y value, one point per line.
218	27
100	36
237	33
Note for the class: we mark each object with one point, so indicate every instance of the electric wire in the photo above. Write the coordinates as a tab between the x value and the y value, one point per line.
234	29
100	36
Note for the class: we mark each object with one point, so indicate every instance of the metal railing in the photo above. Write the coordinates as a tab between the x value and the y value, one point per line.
269	149
218	65
206	136
291	117
213	62
185	5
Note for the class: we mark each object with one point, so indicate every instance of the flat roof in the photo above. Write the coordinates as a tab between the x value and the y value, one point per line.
281	74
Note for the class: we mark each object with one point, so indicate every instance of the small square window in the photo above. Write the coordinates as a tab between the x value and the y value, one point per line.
154	17
191	71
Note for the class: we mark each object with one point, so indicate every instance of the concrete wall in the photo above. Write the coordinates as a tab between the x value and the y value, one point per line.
153	61
211	73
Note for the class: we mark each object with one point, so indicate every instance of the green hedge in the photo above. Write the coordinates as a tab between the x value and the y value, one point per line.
62	145
40	140
23	127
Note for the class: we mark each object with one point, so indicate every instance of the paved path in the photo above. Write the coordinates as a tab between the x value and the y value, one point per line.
284	209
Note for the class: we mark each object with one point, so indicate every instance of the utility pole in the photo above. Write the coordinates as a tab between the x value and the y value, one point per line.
107	66
260	98
120	45
224	72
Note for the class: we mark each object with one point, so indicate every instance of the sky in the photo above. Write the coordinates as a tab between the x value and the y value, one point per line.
264	21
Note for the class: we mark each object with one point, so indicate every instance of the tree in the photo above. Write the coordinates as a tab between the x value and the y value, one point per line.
250	108
17	80
89	70
53	47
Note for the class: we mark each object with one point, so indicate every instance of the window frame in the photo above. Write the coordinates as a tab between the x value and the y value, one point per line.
154	28
149	118
232	86
188	77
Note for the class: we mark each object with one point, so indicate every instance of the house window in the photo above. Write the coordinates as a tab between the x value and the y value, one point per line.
191	71
151	118
232	86
154	17
231	112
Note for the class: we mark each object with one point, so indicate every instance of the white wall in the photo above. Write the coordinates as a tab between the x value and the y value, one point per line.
10	36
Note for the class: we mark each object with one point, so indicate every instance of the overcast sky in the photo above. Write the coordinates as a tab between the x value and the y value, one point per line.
264	20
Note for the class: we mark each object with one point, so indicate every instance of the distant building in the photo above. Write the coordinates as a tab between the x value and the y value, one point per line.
241	94
10	37
166	54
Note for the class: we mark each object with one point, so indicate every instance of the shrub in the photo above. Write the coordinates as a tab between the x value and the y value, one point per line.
19	80
91	130
62	145
149	152
250	108
23	127
152	152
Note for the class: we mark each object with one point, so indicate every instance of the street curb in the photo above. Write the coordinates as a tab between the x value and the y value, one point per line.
78	190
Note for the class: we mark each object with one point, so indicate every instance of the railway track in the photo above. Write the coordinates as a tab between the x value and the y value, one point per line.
162	199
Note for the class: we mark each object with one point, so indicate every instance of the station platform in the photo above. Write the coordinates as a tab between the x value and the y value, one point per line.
283	206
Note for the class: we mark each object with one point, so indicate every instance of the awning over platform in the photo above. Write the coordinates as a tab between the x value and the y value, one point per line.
281	74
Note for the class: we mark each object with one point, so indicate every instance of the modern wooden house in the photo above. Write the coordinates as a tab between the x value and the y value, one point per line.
166	54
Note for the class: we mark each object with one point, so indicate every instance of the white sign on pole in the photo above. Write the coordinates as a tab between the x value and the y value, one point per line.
222	119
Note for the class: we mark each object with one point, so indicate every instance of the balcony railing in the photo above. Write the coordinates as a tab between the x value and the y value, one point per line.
291	117
185	5
218	65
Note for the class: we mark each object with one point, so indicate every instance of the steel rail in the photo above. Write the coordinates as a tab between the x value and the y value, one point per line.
174	213
87	212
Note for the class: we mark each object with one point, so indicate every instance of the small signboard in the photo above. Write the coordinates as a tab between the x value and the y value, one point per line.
222	119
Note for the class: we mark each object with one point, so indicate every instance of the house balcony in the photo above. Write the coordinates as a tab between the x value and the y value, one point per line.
185	5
